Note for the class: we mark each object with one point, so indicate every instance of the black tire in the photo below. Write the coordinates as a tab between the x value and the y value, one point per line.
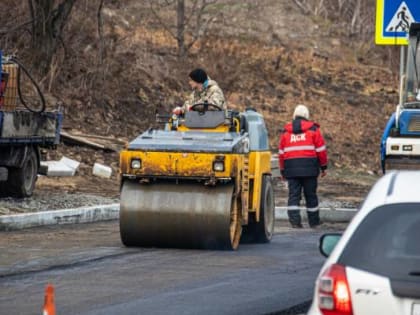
264	229
21	181
4	189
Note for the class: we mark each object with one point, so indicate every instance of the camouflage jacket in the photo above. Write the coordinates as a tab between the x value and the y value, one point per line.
211	94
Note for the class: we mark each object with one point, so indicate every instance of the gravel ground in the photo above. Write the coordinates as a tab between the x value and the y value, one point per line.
51	201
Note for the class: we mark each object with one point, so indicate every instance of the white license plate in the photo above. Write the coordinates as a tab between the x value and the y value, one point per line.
416	309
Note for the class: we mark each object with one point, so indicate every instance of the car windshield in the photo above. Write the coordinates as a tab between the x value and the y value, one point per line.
387	242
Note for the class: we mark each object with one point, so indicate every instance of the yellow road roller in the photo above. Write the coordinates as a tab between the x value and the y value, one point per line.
202	181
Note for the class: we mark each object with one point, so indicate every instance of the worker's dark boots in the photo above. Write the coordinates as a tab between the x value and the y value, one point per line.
294	218
313	218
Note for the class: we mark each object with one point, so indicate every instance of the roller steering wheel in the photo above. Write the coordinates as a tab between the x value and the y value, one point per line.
195	107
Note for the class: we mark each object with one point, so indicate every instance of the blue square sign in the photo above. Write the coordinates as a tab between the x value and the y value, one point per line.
393	19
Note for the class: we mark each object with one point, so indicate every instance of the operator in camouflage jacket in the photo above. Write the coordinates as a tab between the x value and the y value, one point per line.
204	90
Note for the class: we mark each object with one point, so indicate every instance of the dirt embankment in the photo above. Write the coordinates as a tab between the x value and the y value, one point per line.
270	57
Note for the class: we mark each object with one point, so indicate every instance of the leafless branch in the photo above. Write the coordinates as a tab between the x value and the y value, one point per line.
190	20
16	28
32	14
356	16
191	15
201	25
100	31
160	20
303	6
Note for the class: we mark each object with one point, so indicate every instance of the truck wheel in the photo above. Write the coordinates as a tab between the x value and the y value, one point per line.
4	190
22	180
265	227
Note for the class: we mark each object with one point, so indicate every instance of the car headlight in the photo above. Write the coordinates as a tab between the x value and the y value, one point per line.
135	163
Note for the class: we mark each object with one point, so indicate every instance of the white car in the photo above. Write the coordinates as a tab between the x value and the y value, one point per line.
373	268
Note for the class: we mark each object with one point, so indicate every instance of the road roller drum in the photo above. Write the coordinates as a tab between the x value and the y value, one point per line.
177	215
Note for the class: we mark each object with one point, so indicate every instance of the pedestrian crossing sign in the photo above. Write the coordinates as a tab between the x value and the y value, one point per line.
393	19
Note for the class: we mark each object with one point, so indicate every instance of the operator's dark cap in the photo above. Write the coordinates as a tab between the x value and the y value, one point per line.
198	75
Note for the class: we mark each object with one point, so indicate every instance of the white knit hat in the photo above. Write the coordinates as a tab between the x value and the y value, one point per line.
301	111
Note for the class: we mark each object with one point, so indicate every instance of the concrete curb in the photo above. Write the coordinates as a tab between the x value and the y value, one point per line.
325	214
66	216
111	212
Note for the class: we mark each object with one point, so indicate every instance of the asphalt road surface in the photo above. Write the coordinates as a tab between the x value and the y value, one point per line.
93	273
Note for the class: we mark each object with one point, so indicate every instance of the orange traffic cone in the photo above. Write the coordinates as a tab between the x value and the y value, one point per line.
49	305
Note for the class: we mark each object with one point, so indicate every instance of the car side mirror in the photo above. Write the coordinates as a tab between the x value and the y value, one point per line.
327	243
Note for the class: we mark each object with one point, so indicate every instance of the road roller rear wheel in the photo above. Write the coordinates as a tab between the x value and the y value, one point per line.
265	227
262	231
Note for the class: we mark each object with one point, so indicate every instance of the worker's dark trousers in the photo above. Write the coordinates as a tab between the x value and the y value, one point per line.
309	186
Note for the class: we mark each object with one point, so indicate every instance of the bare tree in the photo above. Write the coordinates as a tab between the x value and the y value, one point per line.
100	32
180	36
311	7
351	15
48	22
356	16
192	20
